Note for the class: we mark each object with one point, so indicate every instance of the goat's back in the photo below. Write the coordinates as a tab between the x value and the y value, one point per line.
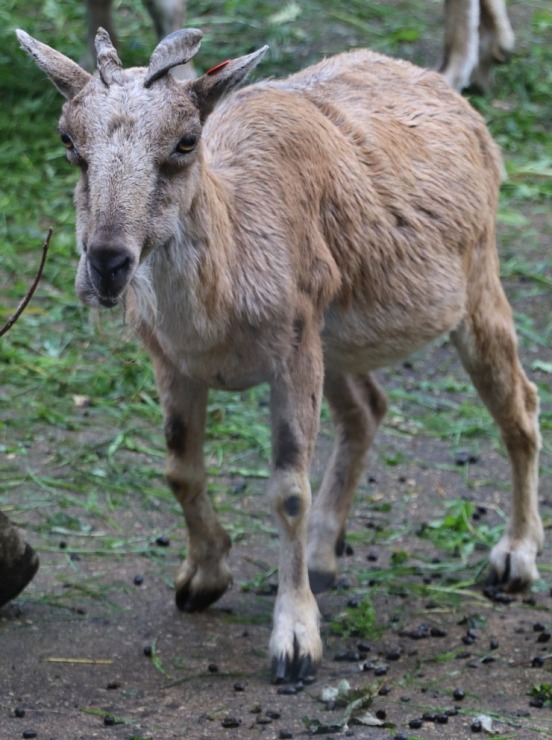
377	178
366	133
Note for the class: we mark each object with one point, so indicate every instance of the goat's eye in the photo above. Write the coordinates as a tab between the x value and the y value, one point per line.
67	141
186	144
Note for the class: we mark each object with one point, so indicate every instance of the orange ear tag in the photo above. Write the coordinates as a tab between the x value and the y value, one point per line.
217	67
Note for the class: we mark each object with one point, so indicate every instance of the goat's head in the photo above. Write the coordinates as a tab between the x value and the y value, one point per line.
136	136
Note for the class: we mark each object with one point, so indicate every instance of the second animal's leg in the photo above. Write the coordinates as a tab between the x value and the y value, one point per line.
358	406
496	41
487	344
205	575
461	46
98	13
167	15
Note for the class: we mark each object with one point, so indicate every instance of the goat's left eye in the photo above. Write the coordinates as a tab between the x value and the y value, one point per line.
186	144
67	141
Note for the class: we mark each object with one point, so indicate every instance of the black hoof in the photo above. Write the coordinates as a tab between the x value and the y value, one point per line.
506	583
190	601
320	581
340	545
300	669
14	578
497	587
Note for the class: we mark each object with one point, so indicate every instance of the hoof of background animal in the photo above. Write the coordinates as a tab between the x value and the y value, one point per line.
321	581
513	567
340	545
502	56
300	668
14	578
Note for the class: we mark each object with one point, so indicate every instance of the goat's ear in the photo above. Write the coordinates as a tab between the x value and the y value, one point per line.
210	87
175	49
66	75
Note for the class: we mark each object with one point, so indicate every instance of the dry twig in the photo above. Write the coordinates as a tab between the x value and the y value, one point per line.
11	321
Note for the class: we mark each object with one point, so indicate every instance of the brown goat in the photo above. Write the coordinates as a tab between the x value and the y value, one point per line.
300	232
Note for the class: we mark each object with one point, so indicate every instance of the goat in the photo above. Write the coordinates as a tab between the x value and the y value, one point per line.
478	35
301	232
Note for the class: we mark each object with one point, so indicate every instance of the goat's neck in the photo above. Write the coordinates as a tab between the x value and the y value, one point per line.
187	284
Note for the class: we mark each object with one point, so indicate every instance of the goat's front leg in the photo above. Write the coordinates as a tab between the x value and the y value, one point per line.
295	644
205	575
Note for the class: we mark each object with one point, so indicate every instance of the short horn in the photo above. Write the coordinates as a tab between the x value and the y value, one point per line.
177	48
109	64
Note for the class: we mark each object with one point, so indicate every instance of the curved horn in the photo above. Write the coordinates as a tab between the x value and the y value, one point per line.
177	48
109	64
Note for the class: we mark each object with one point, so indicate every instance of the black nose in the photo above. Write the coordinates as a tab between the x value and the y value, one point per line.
107	263
109	268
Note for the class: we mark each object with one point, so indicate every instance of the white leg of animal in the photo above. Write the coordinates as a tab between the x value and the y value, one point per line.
461	41
496	41
205	575
487	345
504	38
358	406
168	16
295	644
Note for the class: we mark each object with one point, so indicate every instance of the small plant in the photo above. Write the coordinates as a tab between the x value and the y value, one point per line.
357	621
456	534
542	692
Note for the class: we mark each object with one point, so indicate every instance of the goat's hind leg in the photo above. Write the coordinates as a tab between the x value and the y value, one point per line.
205	575
358	406
487	344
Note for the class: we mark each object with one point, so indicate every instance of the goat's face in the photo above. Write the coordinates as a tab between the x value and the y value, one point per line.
136	137
138	152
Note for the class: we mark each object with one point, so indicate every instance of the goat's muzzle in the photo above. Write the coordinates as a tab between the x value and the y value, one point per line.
109	270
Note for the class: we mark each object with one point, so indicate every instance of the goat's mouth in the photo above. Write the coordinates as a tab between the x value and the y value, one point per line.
89	296
109	301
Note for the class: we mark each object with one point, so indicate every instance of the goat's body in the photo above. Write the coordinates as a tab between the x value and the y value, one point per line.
321	227
367	217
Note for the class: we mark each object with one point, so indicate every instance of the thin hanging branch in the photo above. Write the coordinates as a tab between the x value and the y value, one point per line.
11	321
